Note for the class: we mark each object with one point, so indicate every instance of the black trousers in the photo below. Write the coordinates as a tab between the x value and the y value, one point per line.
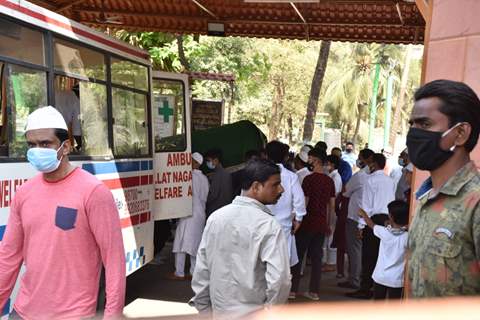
313	242
161	234
381	292
370	246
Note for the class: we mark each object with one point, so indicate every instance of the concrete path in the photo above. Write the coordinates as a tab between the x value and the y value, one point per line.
150	294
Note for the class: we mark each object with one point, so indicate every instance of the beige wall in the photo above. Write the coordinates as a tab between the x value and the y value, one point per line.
453	48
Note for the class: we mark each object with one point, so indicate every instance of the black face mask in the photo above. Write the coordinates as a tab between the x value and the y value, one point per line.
424	148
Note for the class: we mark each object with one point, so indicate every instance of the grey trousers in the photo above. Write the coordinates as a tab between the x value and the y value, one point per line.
354	252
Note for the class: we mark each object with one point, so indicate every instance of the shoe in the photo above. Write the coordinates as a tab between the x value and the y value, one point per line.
292	296
340	276
312	296
173	276
360	294
347	285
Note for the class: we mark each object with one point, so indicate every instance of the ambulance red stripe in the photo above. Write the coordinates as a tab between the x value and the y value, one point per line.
73	29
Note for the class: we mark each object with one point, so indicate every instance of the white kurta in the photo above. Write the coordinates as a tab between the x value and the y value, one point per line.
378	192
291	204
337	180
302	173
242	262
189	230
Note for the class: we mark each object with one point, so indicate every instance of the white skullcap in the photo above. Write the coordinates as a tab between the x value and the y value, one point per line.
46	118
197	157
303	154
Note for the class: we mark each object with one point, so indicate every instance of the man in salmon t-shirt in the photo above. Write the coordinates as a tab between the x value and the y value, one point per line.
63	225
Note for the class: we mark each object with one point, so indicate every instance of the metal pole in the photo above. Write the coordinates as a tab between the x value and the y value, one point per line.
388	112
373	105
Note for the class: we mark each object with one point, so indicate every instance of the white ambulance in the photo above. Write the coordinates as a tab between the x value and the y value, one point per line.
130	125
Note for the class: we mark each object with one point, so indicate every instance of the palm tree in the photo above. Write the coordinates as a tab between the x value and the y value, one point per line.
347	97
317	81
401	96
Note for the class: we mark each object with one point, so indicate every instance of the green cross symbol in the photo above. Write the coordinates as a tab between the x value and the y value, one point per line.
165	111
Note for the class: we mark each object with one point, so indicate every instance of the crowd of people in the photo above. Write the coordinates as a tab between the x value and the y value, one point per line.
320	198
325	207
248	252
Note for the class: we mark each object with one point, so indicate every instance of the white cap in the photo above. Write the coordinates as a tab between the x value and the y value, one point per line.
303	154
46	118
197	157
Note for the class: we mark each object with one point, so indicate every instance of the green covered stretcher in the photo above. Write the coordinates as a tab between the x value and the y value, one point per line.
233	139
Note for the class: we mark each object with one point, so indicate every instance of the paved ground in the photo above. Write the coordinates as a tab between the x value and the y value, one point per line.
150	294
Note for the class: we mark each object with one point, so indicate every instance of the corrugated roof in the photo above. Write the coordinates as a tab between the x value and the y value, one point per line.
383	21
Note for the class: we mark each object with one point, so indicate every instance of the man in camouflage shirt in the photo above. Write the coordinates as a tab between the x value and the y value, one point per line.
444	243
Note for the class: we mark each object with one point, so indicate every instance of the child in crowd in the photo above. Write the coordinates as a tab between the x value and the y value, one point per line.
388	273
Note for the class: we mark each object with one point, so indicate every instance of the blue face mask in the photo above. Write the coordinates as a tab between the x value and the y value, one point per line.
44	159
210	165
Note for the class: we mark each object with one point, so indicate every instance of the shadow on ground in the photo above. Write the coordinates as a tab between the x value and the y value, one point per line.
150	282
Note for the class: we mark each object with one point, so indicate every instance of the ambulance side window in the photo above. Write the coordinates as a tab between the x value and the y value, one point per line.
25	90
168	115
23	83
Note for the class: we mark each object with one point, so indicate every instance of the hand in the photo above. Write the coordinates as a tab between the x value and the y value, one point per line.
362	213
295	226
359	233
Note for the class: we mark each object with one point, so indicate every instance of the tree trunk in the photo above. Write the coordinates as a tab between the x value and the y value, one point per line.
181	53
357	125
401	96
317	80
277	109
290	129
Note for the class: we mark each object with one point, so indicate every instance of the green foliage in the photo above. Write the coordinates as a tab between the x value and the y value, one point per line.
273	78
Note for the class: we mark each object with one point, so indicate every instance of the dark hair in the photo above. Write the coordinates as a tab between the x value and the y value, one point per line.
61	134
214	154
252	154
336	148
334	160
366	153
459	103
276	151
399	209
321	145
319	154
349	143
258	170
380	160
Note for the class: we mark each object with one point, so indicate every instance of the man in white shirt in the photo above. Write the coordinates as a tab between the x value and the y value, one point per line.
67	102
330	254
378	192
301	163
349	154
403	185
332	167
189	230
354	191
242	262
290	208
